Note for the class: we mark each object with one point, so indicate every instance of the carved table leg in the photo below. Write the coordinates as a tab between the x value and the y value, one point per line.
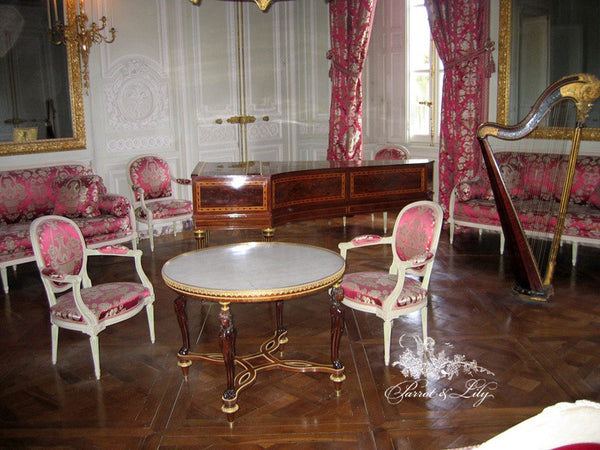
227	343
268	234
201	237
180	304
280	328
337	327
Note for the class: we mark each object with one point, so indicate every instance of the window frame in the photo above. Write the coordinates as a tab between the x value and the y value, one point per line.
436	76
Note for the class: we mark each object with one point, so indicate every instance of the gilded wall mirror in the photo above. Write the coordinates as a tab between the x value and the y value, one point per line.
41	100
541	41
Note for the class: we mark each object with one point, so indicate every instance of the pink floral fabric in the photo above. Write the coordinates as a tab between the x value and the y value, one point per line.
415	235
103	228
166	208
62	252
15	242
114	204
61	247
114	250
104	301
534	175
594	199
414	238
29	193
392	153
366	239
372	287
460	29
581	221
534	182
351	22
78	196
152	175
477	188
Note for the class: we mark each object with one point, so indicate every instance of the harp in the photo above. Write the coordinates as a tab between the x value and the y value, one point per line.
582	90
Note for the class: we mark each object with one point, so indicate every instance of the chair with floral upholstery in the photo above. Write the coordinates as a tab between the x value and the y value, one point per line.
75	304
395	153
404	288
151	182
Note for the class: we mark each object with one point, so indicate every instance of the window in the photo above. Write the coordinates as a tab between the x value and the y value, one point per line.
425	77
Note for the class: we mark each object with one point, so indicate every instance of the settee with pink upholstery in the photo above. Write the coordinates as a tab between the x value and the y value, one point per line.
531	179
69	189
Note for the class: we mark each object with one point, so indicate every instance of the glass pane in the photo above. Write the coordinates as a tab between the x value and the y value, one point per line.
420	95
419	39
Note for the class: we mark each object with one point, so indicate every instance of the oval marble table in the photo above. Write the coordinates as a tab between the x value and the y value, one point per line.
255	272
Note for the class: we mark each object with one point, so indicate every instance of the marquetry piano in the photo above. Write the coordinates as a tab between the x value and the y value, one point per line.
263	195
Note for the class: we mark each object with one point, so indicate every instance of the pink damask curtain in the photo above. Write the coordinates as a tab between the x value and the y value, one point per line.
350	27
460	29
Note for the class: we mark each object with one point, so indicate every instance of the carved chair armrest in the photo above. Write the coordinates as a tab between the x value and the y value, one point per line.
114	250
420	260
417	263
363	241
184	181
56	277
121	250
138	190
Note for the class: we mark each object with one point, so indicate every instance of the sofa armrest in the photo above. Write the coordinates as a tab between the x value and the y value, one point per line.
114	204
473	189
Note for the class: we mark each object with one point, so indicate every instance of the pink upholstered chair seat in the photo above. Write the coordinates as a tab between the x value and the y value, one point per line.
162	209
372	288
103	300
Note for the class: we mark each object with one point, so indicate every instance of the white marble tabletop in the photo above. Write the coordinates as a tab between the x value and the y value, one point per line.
253	271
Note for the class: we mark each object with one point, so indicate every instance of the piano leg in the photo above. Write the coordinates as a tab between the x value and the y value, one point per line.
268	234
201	237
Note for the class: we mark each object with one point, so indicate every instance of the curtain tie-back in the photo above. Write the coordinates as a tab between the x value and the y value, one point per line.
340	68
487	49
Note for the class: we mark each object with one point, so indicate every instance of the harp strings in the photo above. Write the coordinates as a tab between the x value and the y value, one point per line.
545	180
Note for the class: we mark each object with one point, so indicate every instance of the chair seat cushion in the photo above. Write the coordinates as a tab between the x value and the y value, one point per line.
167	208
104	301
372	288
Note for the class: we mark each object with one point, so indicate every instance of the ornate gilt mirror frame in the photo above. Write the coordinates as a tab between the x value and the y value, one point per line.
505	40
77	141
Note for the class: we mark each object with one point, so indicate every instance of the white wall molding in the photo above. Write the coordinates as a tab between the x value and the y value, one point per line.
137	143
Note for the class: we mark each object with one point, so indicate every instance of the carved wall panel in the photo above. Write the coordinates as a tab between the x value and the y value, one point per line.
137	98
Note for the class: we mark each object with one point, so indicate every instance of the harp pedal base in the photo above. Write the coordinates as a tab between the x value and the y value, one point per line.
538	296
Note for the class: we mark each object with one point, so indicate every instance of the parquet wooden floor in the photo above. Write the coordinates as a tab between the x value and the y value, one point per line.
536	355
